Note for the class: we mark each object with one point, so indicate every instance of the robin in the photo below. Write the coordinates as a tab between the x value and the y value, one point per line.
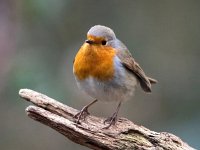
105	69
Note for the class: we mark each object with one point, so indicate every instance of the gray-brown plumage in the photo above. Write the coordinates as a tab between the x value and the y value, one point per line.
128	61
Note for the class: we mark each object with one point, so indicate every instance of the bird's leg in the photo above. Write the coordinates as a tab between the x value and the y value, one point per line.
84	112
113	119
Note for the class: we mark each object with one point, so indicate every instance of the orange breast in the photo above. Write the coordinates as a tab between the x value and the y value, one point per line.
96	61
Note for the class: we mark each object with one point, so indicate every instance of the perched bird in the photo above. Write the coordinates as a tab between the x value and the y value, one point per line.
105	69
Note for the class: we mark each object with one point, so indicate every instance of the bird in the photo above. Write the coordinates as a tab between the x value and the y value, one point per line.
105	69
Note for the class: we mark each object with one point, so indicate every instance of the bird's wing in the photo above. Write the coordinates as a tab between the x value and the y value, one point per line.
130	64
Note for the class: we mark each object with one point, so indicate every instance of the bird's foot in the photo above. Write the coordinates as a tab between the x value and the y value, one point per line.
110	120
82	114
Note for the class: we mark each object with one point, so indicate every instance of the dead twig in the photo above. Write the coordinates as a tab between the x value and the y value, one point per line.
124	135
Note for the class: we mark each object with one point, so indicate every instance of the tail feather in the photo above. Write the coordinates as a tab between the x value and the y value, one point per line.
152	81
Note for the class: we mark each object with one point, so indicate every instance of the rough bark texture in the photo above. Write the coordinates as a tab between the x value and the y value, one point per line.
124	135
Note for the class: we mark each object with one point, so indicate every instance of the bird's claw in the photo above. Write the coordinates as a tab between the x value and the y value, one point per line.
110	120
81	114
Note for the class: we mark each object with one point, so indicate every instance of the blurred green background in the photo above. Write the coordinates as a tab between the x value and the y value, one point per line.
38	42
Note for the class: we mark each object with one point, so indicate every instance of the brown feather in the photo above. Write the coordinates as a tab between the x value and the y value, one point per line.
130	64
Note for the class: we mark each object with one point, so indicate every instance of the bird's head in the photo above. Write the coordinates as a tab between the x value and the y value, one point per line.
99	34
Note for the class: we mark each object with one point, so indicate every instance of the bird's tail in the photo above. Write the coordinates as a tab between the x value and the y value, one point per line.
152	81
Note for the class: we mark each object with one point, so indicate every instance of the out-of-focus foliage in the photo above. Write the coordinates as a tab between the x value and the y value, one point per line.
39	39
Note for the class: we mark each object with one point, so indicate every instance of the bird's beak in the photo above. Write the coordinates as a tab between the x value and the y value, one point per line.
89	41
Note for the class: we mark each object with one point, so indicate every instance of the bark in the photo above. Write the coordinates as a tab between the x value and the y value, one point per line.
124	135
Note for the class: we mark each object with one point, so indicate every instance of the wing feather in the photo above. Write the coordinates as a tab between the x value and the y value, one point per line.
130	64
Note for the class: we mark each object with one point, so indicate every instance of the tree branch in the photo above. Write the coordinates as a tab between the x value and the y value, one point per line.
124	135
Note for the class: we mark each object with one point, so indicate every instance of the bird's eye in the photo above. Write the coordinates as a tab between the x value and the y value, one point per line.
103	42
